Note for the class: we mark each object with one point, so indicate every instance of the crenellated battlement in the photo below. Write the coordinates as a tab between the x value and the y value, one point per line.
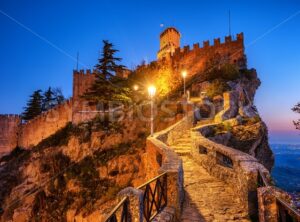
217	44
44	125
10	116
84	72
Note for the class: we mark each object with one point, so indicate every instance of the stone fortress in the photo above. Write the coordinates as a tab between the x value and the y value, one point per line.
203	176
15	133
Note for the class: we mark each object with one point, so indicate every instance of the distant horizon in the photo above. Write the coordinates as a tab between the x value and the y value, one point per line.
284	137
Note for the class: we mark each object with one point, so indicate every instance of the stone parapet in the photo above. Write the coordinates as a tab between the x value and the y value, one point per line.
237	169
160	158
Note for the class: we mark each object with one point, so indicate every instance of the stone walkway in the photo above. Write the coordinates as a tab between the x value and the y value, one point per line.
206	197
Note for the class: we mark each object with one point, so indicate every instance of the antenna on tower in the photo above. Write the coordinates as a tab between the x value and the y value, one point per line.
77	61
229	22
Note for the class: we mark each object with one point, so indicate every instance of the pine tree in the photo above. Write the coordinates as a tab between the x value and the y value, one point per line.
48	100
34	106
296	109
58	96
108	87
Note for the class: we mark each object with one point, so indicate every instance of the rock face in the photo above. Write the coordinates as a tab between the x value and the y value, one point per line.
253	139
74	175
240	124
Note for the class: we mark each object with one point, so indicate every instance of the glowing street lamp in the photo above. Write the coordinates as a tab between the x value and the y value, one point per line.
184	74
151	92
135	87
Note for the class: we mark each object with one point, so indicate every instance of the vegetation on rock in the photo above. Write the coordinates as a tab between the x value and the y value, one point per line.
296	109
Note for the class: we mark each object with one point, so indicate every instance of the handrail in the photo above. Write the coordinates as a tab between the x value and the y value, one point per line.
288	207
116	208
162	201
150	181
263	179
262	182
155	196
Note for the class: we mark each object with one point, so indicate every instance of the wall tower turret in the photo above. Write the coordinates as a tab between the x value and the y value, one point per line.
169	41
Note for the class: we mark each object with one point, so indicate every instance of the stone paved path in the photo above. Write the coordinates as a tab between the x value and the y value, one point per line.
206	197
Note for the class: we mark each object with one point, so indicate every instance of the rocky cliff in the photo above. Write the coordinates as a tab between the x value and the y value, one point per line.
240	124
74	174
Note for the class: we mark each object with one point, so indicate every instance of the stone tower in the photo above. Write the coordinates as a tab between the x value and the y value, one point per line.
169	41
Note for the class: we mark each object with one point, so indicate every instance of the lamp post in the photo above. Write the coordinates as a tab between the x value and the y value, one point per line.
151	91
184	74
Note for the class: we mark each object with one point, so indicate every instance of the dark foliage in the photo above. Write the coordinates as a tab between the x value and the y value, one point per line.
296	109
41	101
10	174
51	98
107	86
34	106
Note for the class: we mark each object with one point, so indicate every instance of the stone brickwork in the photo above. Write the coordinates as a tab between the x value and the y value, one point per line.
44	125
9	125
195	58
160	158
82	81
169	41
229	165
272	201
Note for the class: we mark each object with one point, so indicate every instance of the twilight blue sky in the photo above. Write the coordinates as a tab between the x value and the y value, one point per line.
39	42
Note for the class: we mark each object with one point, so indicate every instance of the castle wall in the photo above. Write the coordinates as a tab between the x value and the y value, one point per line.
8	132
82	81
195	58
44	125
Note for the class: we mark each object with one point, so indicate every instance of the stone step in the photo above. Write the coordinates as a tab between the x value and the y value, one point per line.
183	140
182	144
183	153
208	198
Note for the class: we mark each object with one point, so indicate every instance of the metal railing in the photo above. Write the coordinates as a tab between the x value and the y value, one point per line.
155	196
154	201
120	213
285	212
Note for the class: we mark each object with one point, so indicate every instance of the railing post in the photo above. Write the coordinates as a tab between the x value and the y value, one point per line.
267	205
175	193
135	203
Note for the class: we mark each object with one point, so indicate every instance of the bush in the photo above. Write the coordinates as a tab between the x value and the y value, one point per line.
225	71
250	74
217	87
229	72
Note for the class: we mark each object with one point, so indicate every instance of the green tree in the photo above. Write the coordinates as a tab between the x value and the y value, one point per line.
107	86
34	106
58	96
296	109
107	63
48	100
